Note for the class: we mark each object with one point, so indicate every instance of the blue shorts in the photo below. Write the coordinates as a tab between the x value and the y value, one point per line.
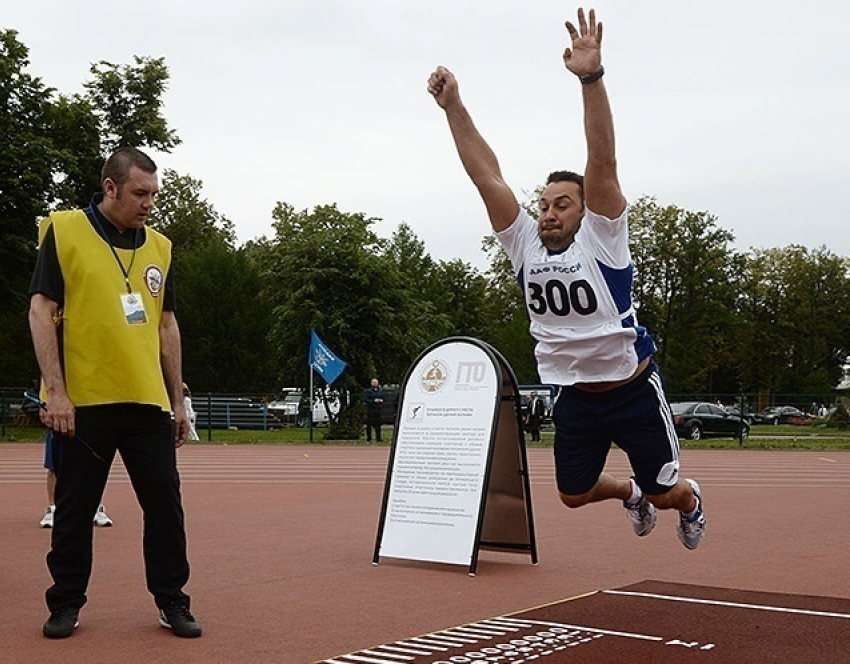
635	416
49	461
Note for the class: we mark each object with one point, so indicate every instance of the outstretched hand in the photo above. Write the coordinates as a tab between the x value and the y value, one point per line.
585	56
443	86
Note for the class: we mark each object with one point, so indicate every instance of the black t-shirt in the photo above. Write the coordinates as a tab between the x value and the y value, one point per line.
47	277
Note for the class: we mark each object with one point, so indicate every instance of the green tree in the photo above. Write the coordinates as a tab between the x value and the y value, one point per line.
794	308
127	99
685	294
420	286
51	151
328	270
27	158
224	325
461	299
186	217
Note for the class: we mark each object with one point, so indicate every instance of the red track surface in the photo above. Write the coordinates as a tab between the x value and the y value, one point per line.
281	540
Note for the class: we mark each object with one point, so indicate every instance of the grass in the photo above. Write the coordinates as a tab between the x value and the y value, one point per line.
763	437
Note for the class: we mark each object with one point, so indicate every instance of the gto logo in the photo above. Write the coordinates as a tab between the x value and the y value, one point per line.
471	372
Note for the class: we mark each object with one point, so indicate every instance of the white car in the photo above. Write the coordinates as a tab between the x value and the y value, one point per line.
287	408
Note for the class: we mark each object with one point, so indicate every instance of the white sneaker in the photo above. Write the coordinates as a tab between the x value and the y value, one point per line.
101	519
642	515
47	519
692	530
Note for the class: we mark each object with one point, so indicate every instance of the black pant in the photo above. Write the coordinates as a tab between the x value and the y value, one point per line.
144	436
373	423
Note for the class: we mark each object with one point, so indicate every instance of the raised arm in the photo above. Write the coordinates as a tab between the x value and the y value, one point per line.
584	59
478	159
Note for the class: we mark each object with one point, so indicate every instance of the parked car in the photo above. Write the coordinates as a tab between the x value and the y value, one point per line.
285	406
781	415
225	412
697	419
749	416
293	407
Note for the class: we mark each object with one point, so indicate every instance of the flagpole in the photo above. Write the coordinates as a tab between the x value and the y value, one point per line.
311	403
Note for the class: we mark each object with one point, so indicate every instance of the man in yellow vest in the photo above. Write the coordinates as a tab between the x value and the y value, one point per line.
102	317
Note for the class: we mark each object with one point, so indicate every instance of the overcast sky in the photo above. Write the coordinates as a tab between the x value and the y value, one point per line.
736	108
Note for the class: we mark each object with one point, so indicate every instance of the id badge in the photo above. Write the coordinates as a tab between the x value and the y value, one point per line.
134	309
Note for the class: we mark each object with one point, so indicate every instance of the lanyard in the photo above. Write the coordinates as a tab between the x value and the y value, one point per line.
126	272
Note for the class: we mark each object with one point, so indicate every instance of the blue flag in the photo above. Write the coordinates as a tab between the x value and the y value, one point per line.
323	361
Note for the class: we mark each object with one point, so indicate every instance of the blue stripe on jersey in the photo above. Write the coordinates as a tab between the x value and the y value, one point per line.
644	345
619	283
520	279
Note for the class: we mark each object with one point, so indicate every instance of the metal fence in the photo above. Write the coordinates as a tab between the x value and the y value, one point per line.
212	411
252	410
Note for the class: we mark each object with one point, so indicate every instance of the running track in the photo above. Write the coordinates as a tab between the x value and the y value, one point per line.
249	464
281	540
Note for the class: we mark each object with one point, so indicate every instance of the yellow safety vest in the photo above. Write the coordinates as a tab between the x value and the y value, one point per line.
108	356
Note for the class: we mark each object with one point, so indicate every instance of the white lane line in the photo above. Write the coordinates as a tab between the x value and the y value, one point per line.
432	641
405	650
403	658
737	605
595	630
478	632
368	660
421	645
448	636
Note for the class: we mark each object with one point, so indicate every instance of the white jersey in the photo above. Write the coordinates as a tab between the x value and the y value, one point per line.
580	300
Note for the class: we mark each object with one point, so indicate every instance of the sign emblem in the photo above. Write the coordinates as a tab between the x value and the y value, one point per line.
435	376
154	279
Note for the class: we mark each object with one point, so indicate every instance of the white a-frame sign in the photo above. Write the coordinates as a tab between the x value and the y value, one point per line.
457	479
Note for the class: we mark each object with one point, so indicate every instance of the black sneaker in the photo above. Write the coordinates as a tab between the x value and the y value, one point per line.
62	622
177	617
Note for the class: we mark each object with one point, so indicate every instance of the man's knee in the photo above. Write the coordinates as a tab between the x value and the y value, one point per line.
573	500
663	501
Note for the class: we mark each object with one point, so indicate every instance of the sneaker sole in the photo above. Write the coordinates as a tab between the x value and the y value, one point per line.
63	635
164	623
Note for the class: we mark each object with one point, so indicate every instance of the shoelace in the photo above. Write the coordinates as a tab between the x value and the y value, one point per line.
638	510
692	525
180	610
66	612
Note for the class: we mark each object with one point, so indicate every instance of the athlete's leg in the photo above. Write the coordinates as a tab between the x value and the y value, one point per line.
581	447
680	497
607	487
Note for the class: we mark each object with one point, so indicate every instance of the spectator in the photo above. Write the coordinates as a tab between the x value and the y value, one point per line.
534	411
190	412
101	518
374	399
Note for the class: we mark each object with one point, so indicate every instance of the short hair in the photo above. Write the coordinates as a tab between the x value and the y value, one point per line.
567	176
118	165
